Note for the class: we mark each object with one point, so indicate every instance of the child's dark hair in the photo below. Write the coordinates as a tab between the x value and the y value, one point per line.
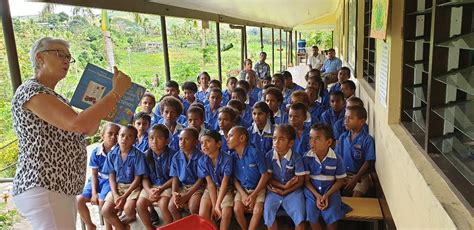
148	94
279	76
325	129
301	95
214	134
161	129
345	68
264	107
172	102
172	84
107	126
231	79
356	100
313	73
194	133
337	94
236	104
350	83
215	90
268	86
142	115
275	92
215	81
287	130
299	106
287	75
245	84
311	89
240	91
359	111
197	110
205	74
267	78
197	104
230	111
132	128
321	85
189	85
242	131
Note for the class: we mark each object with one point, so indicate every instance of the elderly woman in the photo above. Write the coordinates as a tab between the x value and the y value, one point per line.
51	167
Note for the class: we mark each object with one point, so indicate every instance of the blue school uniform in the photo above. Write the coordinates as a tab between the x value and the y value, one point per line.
174	137
323	175
224	147
247	116
261	140
125	171
256	94
186	171
202	96
301	145
97	161
211	118
187	104
224	167
324	99
335	87
356	152
158	166
280	117
249	168
226	97
329	117
338	128
143	144
316	110
181	118
283	170
242	122
286	95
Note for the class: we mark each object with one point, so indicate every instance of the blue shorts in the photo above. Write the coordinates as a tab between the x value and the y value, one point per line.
103	189
335	211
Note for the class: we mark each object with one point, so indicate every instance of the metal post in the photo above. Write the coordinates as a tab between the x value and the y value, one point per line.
244	32
242	48
10	44
261	39
219	62
280	53
165	48
332	38
296	49
286	49
290	50
273	51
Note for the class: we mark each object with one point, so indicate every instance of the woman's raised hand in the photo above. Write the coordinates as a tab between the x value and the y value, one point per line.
121	82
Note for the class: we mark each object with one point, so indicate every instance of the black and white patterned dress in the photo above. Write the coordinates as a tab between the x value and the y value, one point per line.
49	157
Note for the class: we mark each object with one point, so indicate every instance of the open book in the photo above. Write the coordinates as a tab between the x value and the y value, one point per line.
95	83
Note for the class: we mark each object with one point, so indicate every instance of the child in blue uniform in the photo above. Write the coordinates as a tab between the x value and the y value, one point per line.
279	82
251	178
226	94
274	99
250	100
289	84
323	95
261	131
297	117
212	109
189	89
301	97
216	168
343	74
336	112
126	166
156	182
227	117
186	187
325	177
141	121
253	92
172	108
214	83
147	103
357	148
239	107
241	95
348	88
196	119
287	178
315	108
203	81
97	186
339	127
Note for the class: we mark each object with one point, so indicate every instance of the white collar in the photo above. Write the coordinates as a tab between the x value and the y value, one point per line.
287	156
266	129
100	150
308	117
203	130
331	154
278	113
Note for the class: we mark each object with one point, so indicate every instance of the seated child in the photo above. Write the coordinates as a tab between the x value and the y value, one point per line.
241	95
171	89
343	74
348	88
261	131
297	117
336	112
324	178
301	97
253	92
287	178
187	187
312	73
250	178
266	81
226	94
279	82
214	83
216	168
357	148
97	186
239	107
203	81
156	181
317	82
339	127
147	103
249	100
125	165
274	99
141	121
196	119
211	109
171	108
289	84
227	117
190	89
315	108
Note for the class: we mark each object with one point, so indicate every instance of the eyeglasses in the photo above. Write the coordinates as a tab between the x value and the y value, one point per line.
62	55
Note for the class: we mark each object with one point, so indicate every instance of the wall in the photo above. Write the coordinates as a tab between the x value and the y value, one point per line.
417	194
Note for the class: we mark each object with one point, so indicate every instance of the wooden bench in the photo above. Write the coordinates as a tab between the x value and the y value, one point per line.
364	209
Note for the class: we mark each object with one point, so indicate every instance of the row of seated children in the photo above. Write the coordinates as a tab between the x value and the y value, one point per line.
188	169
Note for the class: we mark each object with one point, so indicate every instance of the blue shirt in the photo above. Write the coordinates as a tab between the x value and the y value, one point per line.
316	111
97	161
125	171
202	96
295	87
280	117
261	140
331	65
224	166
242	122
324	99
301	145
226	96
186	171
323	173
356	152
289	166
338	128
256	94
174	137
187	104
247	116
224	147
249	168
143	145
335	87
158	166
329	117
211	118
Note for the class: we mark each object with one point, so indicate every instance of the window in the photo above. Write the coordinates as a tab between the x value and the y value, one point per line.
369	46
438	86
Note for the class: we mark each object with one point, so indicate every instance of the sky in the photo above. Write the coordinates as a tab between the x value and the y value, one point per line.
23	8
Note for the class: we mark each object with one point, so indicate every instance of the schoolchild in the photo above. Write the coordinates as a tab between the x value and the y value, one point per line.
266	81
300	96
239	107
274	99
253	92
348	88
343	74
240	94
203	80
249	99
196	119
141	121
226	94
190	89
289	84
147	103
227	118
212	109
279	81
172	109
339	127
336	112
316	109
297	117
317	81
214	83
261	131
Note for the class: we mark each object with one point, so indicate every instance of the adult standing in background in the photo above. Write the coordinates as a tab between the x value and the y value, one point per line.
51	166
261	67
316	60
330	67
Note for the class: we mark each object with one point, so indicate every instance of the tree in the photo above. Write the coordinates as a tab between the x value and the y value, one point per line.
109	47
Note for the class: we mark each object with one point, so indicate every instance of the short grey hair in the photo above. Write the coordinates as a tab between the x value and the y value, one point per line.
41	45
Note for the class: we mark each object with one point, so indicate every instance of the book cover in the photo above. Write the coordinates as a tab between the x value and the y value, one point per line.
95	83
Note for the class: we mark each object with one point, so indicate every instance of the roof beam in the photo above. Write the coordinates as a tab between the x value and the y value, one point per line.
148	7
